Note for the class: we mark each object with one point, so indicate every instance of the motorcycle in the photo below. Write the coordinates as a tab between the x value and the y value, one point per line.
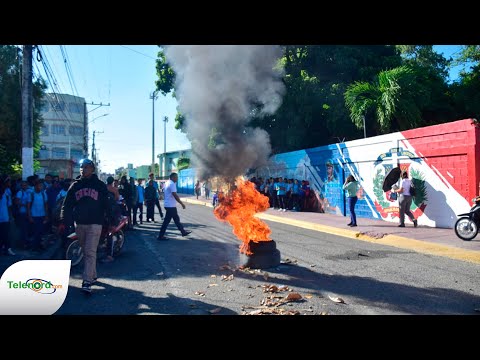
113	235
466	228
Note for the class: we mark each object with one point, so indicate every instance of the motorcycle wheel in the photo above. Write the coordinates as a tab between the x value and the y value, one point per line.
466	229
74	253
118	241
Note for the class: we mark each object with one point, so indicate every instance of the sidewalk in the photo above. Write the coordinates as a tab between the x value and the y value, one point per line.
21	254
434	241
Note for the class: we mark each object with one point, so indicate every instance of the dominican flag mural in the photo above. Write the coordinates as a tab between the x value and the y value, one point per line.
443	161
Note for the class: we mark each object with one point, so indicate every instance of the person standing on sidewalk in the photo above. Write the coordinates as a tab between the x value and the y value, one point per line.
87	204
351	187
405	200
139	205
157	194
171	199
5	204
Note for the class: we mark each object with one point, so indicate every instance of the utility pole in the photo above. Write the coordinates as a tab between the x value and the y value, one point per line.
85	125
94	150
27	113
165	120
153	96
364	128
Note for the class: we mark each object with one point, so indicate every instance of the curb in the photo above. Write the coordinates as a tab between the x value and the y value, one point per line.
390	240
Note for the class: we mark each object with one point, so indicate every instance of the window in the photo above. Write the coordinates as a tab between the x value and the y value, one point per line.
76	130
76	154
44	130
58	106
58	129
76	108
59	153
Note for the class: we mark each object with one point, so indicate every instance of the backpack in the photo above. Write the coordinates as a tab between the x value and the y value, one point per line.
413	191
33	197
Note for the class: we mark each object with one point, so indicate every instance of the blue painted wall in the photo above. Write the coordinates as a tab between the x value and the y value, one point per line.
186	181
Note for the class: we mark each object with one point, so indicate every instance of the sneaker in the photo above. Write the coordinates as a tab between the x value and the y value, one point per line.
94	281
10	252
415	223
87	287
186	233
401	225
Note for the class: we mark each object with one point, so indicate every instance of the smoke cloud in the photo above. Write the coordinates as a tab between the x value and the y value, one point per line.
218	87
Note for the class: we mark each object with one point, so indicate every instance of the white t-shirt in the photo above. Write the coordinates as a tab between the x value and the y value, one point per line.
170	187
406	183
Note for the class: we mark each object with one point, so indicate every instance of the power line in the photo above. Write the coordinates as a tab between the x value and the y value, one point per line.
138	52
66	61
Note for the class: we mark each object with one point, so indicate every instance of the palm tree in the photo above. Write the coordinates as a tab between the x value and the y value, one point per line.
390	100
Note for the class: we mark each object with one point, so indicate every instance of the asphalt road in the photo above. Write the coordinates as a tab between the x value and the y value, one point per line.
192	275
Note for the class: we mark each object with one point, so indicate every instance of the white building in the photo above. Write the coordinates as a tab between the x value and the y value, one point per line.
63	135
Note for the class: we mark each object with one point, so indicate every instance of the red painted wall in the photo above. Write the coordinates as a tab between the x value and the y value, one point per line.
452	150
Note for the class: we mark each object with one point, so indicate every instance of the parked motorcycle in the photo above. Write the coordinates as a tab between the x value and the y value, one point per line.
467	226
113	235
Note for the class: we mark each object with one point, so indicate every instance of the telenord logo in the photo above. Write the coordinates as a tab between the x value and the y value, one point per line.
40	286
34	287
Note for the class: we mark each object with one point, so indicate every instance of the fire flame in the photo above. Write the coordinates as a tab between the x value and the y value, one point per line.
238	208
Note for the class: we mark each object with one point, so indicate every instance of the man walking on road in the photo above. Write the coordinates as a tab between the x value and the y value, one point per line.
171	199
87	204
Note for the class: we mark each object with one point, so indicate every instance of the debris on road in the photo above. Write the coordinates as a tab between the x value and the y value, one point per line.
227	278
336	299
199	293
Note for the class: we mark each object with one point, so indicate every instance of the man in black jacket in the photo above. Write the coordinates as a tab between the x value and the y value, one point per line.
86	203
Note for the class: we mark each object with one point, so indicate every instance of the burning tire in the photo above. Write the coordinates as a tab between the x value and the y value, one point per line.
261	260
263	247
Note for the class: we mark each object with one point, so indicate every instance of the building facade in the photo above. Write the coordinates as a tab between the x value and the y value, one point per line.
169	161
63	135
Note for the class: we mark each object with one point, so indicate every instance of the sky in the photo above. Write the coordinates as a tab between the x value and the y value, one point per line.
124	77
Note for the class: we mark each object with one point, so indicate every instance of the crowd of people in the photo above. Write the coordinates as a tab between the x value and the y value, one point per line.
286	194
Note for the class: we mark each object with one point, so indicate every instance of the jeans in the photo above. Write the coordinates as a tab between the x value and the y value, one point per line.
351	206
88	237
171	213
4	233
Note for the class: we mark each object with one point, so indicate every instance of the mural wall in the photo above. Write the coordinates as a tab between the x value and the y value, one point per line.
441	159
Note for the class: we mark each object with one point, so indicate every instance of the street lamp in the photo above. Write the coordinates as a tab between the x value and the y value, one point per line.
154	97
165	120
97	118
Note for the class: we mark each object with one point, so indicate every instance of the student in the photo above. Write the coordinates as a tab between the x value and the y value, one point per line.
405	200
351	187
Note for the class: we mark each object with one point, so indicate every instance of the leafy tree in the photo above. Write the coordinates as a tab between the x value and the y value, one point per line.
431	78
183	163
390	101
466	91
11	110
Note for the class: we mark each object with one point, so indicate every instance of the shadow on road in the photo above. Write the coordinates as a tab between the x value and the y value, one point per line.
111	300
193	257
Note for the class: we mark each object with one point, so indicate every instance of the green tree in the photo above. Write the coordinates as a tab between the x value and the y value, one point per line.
313	110
11	110
183	163
389	101
434	97
466	91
